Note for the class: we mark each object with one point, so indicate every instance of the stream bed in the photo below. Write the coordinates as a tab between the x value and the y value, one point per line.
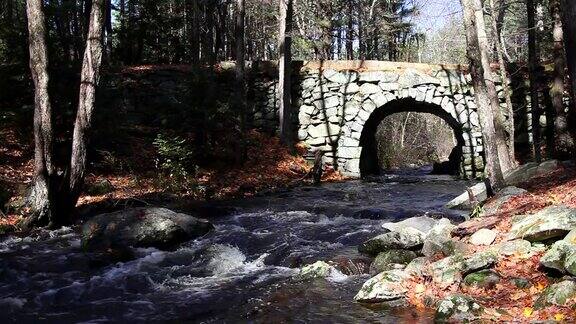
241	272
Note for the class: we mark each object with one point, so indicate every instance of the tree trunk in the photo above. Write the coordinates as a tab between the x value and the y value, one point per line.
350	32
569	27
40	197
534	66
89	77
478	57
285	71
505	82
563	140
241	77
109	31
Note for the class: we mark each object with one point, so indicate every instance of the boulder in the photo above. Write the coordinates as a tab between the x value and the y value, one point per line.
521	173
561	255
557	294
478	261
463	201
457	309
493	205
422	223
551	222
417	266
439	240
391	259
516	248
555	256
142	227
484	279
386	286
319	269
483	237
447	271
404	239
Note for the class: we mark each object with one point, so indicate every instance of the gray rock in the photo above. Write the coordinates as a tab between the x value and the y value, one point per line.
404	239
368	89
386	286
379	76
554	258
551	222
548	166
521	173
484	279
479	261
483	237
417	266
412	78
516	247
319	269
500	199
439	240
557	294
340	77
447	271
562	255
457	309
142	227
391	259
422	223
463	201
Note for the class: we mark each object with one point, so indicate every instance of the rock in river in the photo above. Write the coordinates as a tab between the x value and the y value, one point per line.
405	239
386	286
142	227
391	259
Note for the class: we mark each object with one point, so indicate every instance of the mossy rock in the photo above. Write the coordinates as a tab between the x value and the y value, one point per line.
319	269
456	309
384	287
391	259
552	222
484	279
404	239
557	294
521	283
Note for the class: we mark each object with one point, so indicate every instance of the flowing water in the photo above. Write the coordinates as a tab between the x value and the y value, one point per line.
242	272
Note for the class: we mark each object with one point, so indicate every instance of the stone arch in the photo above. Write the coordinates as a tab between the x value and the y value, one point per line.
368	157
458	110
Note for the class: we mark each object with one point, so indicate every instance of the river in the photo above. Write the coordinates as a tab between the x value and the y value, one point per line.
241	272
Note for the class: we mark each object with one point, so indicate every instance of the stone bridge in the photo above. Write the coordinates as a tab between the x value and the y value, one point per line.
338	104
341	103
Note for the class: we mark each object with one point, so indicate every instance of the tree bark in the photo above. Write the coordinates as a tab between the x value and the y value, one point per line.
241	77
89	77
534	66
40	197
481	76
509	124
569	27
285	71
563	139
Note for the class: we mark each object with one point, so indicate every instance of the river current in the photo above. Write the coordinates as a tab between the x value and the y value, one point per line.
241	272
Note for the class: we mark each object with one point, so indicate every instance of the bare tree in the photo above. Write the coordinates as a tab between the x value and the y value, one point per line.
54	197
481	75
240	75
569	25
44	170
285	71
533	62
494	16
563	140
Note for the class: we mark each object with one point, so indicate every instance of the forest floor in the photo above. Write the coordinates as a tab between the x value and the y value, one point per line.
269	167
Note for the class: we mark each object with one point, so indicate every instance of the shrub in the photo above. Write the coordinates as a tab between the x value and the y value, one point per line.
174	161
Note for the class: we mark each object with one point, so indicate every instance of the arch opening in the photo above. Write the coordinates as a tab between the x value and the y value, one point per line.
371	158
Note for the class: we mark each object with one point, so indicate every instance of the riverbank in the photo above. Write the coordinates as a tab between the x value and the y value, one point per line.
114	182
516	261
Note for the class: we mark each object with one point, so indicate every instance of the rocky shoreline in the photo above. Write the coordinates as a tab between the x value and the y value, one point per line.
497	266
